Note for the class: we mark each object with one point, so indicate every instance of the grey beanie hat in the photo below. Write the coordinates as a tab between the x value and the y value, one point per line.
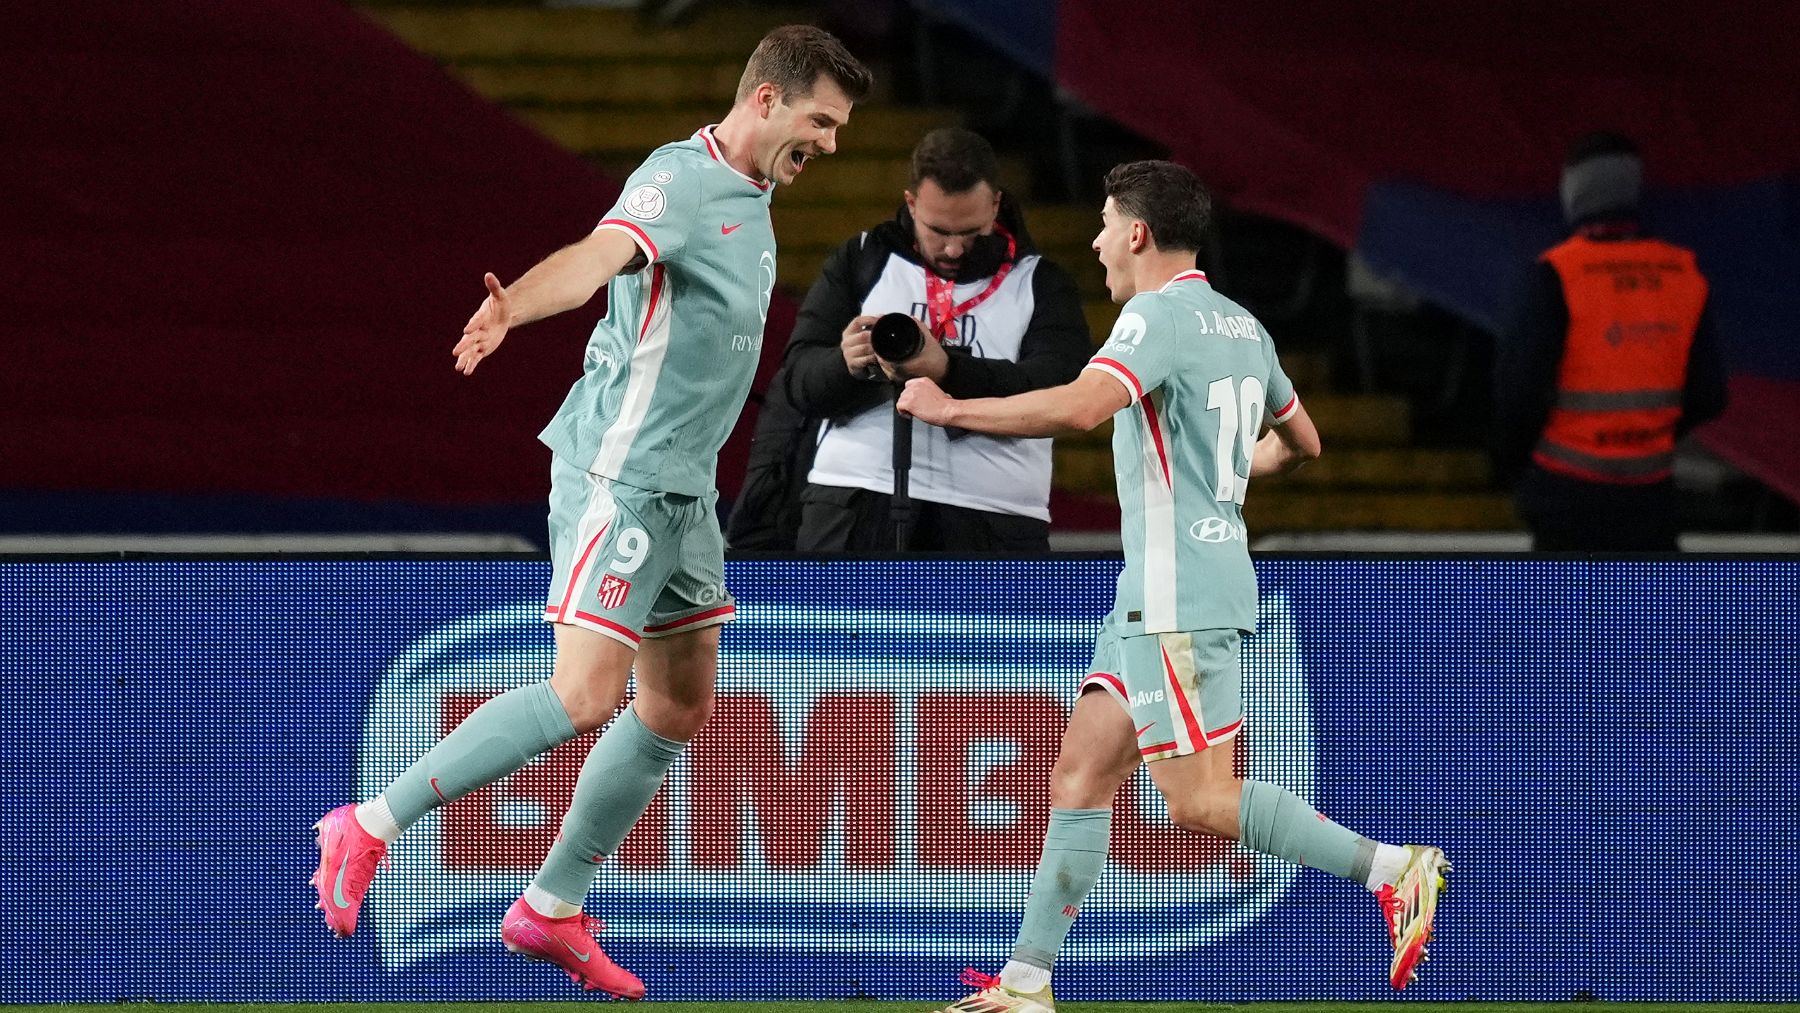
1603	175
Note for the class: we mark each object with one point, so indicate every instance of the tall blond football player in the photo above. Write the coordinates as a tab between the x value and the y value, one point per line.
1190	379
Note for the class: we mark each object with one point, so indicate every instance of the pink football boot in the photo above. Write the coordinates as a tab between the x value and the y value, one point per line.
569	944
348	855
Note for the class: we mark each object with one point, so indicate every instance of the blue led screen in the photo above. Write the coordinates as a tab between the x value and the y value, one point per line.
1605	749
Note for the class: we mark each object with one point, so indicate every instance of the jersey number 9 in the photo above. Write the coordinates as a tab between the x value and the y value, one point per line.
633	544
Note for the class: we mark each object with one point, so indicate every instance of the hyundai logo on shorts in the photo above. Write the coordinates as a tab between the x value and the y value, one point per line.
871	781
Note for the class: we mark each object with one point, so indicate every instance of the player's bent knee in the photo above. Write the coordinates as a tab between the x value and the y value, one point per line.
589	705
590	694
590	675
1203	811
674	717
1082	783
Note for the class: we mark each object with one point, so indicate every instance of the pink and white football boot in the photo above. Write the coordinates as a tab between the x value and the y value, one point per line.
569	944
348	857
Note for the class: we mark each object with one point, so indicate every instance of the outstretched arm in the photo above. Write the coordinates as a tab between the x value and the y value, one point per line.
1074	407
562	281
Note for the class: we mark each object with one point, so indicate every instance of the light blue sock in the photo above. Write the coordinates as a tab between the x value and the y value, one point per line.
1074	854
1278	822
620	777
501	736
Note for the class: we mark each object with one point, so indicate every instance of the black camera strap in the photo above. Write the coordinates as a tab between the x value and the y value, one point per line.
900	505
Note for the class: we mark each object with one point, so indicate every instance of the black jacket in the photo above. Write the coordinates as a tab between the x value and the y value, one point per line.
813	383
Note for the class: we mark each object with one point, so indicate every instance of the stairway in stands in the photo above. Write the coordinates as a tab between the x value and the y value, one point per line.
609	86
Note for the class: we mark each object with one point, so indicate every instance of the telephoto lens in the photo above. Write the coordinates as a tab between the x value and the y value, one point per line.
896	337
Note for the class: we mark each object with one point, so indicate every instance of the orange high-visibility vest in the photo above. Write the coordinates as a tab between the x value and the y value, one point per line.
1633	307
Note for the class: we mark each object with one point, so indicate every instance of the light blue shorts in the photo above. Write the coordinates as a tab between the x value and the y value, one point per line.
1184	691
630	563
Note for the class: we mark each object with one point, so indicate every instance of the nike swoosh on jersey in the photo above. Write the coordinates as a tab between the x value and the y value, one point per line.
726	230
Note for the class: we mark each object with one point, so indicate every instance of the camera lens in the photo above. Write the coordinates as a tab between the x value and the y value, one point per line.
896	337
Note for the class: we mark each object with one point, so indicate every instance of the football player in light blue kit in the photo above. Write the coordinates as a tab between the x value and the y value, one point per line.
638	558
1190	379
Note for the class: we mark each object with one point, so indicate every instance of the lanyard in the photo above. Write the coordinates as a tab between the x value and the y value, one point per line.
940	293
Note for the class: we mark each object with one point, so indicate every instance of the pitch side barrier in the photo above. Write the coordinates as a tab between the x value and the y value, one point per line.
1605	747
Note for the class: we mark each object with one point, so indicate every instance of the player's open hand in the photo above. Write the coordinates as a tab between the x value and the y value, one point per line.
486	329
924	400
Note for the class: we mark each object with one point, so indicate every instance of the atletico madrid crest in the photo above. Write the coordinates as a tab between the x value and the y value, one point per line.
613	590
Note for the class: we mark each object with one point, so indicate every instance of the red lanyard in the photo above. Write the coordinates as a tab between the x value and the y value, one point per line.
940	293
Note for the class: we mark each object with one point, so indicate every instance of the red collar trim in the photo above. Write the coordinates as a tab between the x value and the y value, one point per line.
712	148
1184	276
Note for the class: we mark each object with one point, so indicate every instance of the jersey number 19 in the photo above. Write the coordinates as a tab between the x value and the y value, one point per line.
1240	408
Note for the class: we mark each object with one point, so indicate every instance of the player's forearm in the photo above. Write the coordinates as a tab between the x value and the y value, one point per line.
1273	456
560	282
1032	414
568	278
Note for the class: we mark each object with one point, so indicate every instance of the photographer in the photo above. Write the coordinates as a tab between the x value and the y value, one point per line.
994	318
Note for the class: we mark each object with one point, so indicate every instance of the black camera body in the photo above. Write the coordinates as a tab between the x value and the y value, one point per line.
896	337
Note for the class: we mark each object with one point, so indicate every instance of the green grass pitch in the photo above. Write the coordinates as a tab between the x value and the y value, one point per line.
917	1007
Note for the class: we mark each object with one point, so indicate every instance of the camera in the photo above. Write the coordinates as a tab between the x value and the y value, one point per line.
896	337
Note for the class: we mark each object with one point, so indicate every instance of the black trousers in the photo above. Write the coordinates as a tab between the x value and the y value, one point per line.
834	519
1566	514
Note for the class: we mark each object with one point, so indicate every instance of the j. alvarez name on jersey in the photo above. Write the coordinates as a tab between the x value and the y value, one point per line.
1240	326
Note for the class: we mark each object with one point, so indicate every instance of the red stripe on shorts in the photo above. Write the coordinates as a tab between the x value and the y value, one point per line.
562	610
609	624
1111	680
1187	713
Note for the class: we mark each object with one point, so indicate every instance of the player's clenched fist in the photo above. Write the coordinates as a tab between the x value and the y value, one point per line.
486	329
923	400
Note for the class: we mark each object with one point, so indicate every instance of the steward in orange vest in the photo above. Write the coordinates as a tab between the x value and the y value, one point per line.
1606	363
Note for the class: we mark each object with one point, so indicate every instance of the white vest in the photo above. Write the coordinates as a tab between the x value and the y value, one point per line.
998	474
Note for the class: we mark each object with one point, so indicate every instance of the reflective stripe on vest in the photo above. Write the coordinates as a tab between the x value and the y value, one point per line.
1651	467
1633	307
1617	401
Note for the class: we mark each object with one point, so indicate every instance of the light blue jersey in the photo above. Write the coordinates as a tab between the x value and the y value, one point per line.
1203	378
669	367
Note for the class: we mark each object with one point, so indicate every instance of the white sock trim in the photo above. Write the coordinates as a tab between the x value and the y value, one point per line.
1389	862
1026	979
548	904
377	819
